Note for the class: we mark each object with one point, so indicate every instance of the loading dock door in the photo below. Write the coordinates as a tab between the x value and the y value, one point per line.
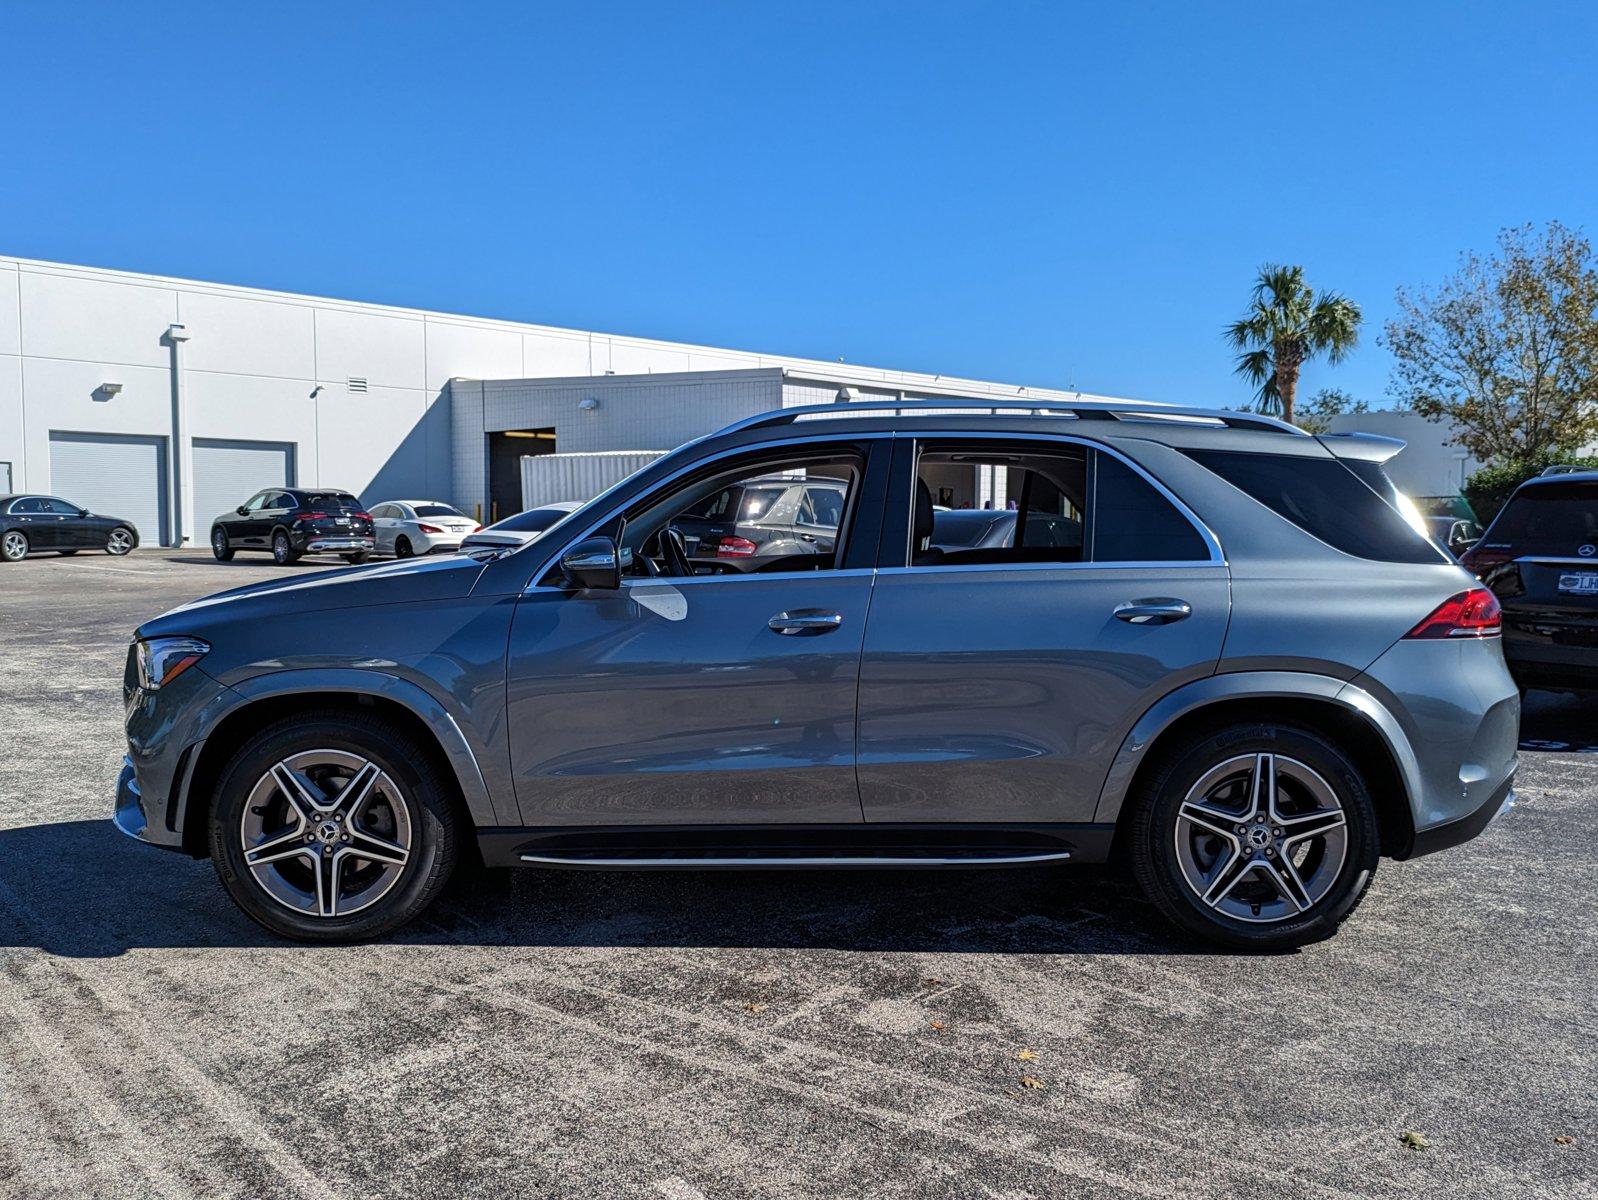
227	473
116	475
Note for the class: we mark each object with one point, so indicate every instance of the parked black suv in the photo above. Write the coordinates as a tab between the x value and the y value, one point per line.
1540	557
750	525
290	522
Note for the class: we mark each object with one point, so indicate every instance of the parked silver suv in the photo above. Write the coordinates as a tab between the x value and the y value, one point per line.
1249	674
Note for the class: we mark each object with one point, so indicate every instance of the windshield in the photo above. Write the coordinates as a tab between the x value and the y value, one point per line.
438	510
1549	518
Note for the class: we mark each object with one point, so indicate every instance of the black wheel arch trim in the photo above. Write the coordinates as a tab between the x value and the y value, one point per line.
1214	690
461	755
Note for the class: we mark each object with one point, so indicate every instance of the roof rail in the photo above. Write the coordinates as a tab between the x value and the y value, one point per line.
1082	410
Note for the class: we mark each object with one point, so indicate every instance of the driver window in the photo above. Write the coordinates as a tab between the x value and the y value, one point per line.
256	502
779	514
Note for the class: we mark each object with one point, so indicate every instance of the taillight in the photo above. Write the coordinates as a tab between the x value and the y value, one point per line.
430	529
1478	560
312	516
479	529
735	547
362	516
1469	614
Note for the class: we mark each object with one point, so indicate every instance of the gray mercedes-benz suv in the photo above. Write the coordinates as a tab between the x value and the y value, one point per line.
1250	675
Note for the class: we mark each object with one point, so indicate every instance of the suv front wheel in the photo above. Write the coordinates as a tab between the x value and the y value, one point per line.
333	827
1259	836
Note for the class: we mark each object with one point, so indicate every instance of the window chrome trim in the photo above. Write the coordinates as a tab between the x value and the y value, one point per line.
752	447
633	581
1206	534
1190	564
1590	563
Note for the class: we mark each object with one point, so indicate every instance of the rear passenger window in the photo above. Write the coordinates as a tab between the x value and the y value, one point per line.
981	504
1326	500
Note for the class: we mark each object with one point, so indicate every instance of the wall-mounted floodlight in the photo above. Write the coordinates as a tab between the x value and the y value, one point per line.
588	404
109	389
846	395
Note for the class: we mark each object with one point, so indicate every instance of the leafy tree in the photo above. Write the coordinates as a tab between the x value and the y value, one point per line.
1506	349
1489	488
1318	411
1287	325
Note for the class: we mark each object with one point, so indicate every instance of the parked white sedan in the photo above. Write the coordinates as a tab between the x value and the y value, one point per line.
405	528
516	531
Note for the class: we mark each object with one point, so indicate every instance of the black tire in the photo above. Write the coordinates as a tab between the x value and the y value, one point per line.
220	549
435	828
14	546
283	552
1153	837
402	548
354	559
120	541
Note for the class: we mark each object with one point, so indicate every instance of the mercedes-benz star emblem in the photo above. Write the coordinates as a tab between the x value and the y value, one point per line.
1588	550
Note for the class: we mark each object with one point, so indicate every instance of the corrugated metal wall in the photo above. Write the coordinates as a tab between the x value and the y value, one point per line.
548	478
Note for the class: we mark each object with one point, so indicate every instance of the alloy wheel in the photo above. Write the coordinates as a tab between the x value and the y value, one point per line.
15	544
1261	838
218	542
120	541
280	548
326	833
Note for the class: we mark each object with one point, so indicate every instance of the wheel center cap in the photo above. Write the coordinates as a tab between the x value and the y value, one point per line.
1259	837
328	831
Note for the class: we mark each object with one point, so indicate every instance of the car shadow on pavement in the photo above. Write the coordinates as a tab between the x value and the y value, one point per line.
102	895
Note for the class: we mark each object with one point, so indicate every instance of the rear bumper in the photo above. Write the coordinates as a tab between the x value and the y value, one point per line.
342	545
1548	654
1444	837
1459	711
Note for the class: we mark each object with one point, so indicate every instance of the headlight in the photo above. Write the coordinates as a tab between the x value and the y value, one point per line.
163	659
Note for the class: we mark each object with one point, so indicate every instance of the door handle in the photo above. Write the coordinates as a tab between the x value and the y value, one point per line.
805	622
1156	610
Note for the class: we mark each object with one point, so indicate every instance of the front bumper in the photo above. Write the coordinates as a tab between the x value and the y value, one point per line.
163	729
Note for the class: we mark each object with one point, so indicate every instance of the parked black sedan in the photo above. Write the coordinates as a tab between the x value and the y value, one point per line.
290	522
1540	557
29	523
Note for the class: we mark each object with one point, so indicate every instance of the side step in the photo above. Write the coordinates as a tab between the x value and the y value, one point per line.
861	846
711	860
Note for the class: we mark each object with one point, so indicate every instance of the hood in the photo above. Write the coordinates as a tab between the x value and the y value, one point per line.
408	581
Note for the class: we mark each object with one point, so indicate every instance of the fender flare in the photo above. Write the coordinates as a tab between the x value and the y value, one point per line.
457	749
1252	685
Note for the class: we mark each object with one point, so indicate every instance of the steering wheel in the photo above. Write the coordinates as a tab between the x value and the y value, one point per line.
675	551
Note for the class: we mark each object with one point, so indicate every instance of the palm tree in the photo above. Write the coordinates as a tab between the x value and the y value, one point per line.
1286	326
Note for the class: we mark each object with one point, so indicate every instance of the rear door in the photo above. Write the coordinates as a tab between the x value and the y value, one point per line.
73	530
997	683
42	527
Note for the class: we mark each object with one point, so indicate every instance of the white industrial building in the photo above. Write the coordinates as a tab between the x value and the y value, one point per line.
168	401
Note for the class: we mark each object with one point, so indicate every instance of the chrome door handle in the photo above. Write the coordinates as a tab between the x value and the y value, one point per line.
1157	610
804	621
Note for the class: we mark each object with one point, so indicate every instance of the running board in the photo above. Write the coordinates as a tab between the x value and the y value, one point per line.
578	860
863	846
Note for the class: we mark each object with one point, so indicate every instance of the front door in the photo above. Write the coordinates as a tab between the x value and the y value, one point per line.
697	694
998	681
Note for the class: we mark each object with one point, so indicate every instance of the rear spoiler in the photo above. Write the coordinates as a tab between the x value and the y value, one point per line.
1363	447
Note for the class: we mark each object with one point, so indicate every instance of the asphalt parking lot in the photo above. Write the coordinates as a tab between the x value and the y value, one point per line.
688	1035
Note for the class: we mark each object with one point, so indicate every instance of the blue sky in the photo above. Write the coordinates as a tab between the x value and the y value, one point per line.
1045	193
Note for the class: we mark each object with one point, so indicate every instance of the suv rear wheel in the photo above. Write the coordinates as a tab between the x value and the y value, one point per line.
1259	836
331	827
283	552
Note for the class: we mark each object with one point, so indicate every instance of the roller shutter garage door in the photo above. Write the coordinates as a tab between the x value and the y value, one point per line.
227	473
114	475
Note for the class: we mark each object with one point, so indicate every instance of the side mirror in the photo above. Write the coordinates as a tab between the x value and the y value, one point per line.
83	512
595	563
242	511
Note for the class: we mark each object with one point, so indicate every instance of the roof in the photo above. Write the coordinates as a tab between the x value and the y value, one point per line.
1583	476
